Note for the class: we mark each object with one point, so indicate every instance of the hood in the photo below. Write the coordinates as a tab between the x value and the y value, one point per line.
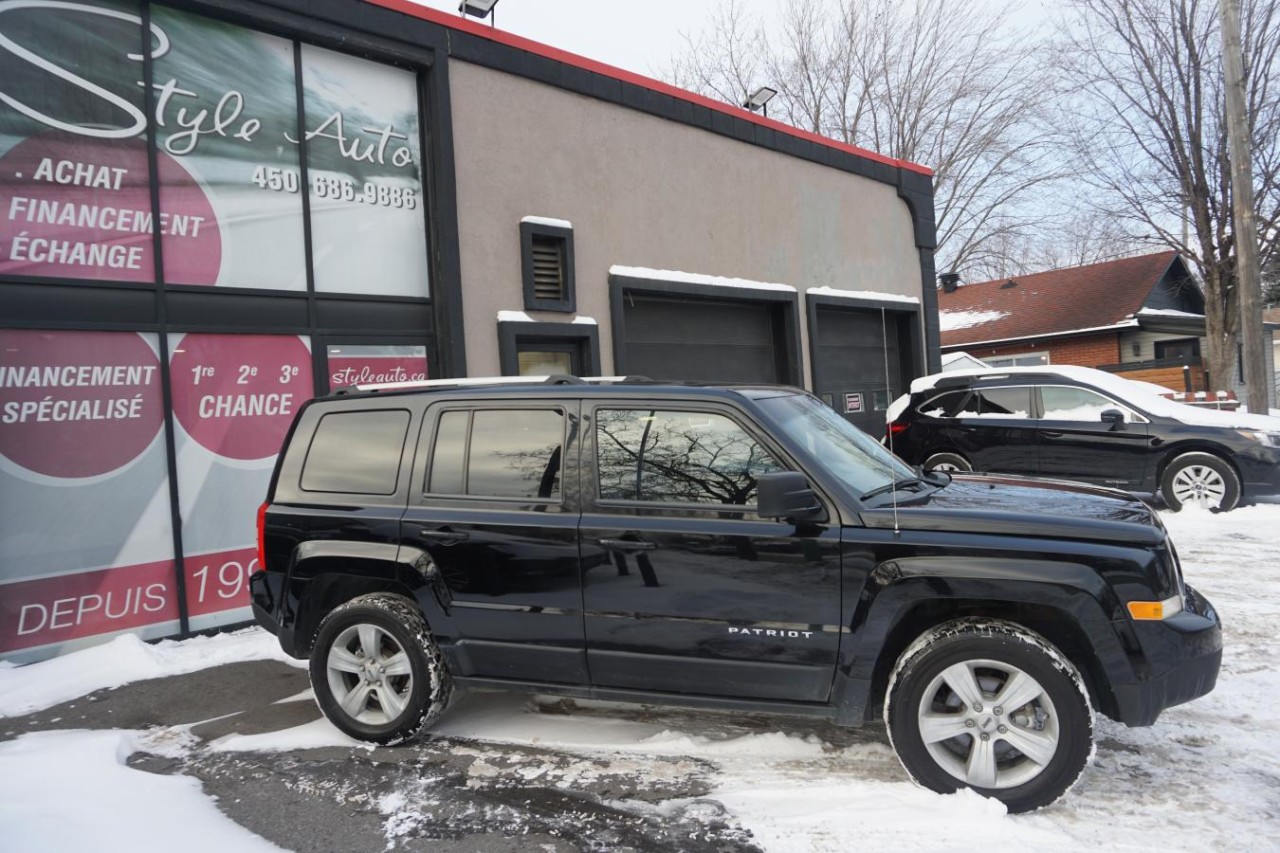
1025	506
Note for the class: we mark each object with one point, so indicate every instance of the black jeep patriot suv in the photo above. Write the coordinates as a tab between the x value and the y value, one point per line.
723	547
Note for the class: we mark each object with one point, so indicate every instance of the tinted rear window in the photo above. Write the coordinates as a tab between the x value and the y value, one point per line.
498	453
356	452
943	406
998	403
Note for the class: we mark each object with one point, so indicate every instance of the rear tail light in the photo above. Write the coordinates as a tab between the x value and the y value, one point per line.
262	536
895	428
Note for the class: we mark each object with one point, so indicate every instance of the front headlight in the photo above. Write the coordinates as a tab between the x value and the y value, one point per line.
1270	439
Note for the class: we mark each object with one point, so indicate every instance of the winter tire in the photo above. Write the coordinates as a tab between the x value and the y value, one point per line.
377	672
1200	480
990	706
950	462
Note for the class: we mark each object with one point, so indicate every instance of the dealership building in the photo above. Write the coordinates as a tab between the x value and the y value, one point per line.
211	212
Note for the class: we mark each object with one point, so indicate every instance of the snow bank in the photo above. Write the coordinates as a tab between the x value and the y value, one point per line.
25	689
71	790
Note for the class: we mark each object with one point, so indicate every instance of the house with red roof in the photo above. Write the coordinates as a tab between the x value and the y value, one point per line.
1142	317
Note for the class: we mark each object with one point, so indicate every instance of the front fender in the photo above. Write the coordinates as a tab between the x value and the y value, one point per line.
1067	602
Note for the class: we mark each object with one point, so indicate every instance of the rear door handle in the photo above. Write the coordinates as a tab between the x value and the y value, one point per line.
1048	434
627	544
444	537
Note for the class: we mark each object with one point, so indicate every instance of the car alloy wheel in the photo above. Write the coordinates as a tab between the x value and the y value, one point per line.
989	724
369	674
1199	485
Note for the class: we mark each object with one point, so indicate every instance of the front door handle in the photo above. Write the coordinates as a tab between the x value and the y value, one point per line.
444	537
1047	434
627	544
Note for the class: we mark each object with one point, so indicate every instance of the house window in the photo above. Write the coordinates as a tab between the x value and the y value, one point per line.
1182	349
1026	359
546	255
542	349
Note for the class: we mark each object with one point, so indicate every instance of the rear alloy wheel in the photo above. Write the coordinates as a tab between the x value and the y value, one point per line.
950	462
990	706
376	670
1200	480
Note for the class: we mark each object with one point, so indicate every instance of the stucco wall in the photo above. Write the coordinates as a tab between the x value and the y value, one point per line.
647	192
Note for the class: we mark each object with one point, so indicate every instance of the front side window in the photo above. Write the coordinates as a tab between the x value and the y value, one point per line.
998	403
498	453
677	457
1067	403
847	452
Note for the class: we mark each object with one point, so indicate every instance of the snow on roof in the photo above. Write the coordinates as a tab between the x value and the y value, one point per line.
697	278
1099	296
521	317
1167	312
949	321
1137	394
548	221
863	294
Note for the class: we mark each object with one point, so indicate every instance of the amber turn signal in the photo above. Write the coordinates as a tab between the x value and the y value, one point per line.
1155	610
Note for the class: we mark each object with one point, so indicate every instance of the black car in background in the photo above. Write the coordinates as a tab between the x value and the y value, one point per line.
1076	423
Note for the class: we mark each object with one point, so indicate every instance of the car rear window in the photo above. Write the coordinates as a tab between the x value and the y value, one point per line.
356	452
498	453
943	406
998	403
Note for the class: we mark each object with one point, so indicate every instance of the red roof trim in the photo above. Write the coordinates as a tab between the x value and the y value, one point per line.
457	22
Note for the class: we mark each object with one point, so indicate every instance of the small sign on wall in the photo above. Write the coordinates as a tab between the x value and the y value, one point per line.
853	402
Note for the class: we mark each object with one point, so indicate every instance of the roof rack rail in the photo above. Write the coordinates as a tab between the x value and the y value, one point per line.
479	381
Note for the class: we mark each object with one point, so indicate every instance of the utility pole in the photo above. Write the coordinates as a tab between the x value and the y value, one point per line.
1248	274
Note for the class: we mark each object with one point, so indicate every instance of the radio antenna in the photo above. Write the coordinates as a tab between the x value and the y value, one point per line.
893	487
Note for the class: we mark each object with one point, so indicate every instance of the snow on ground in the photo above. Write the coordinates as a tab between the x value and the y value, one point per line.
1206	776
71	790
24	689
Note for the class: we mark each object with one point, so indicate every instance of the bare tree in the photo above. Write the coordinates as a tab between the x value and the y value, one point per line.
946	83
1144	79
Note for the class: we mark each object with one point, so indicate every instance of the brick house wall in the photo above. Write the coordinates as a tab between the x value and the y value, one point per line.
1088	351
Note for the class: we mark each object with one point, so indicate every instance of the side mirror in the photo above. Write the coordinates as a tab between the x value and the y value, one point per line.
1114	417
788	495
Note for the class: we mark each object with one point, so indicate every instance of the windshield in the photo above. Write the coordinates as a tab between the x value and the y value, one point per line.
848	452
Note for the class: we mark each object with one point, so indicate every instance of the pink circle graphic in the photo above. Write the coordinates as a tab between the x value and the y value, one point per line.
78	207
237	394
77	404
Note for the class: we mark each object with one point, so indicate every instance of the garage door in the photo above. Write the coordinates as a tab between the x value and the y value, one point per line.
849	369
702	340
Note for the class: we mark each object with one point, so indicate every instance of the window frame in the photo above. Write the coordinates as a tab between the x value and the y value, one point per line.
528	231
516	335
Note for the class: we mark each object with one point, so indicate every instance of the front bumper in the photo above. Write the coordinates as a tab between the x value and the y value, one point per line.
1182	657
1260	470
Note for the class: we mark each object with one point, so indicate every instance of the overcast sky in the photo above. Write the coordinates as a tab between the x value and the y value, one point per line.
638	35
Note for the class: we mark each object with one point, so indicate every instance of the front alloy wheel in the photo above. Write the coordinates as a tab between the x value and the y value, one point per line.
988	724
1200	480
992	706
